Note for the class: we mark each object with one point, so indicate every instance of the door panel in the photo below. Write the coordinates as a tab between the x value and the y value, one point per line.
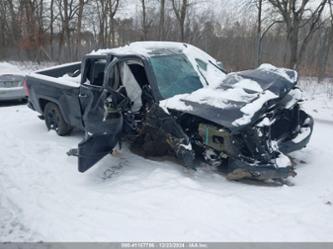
102	128
94	148
92	106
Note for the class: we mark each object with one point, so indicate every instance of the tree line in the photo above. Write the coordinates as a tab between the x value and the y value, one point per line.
290	33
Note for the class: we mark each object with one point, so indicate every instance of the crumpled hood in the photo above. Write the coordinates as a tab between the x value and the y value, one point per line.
240	99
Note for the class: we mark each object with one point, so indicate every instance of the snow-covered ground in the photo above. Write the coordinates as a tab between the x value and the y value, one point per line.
319	98
130	198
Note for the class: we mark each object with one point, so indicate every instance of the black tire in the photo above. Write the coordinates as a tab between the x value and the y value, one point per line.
55	121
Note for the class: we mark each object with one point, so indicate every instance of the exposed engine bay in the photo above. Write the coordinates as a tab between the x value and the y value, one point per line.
256	152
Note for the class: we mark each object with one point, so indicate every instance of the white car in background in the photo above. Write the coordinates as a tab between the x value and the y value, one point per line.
11	83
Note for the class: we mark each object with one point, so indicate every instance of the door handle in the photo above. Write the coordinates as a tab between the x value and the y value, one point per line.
82	95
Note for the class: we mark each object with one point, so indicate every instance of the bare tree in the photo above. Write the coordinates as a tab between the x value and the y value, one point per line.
146	22
13	21
113	8
4	25
79	26
330	41
102	15
66	29
326	40
180	8
51	27
106	10
259	24
161	29
294	17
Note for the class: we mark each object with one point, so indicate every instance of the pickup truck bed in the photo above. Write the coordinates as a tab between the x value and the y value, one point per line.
56	86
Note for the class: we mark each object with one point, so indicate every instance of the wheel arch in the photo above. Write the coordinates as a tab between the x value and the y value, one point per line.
42	103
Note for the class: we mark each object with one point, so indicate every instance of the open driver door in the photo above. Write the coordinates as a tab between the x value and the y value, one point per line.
102	120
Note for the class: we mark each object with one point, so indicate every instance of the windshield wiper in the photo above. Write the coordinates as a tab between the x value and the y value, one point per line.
203	76
219	68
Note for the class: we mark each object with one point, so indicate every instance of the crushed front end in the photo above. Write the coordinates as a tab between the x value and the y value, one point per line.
263	147
259	151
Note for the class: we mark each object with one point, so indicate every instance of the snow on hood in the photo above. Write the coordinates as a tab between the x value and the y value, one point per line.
237	93
219	98
250	109
290	75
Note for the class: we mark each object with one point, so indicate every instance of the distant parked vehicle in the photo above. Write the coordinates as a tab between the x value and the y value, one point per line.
11	87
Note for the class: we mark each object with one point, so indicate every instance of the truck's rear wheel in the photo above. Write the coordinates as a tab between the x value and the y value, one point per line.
55	121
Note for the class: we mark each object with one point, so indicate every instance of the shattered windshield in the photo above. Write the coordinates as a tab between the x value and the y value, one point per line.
175	75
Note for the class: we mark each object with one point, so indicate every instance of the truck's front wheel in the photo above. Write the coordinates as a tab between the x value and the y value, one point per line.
55	121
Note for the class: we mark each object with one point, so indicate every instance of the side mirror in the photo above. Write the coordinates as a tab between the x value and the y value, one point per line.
220	65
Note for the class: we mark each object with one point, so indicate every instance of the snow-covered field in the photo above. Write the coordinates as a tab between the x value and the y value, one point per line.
129	198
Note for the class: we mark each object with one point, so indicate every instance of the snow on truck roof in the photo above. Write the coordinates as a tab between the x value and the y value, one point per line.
152	48
146	49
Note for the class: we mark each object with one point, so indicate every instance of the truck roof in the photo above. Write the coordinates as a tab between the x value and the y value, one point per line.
146	49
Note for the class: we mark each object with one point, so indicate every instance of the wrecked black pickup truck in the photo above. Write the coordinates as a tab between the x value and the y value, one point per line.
172	98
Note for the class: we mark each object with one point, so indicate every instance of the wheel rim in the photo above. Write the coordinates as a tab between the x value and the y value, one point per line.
53	119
